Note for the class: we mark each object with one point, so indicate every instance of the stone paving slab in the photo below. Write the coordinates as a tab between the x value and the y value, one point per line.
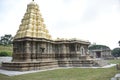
5	59
117	75
113	79
13	73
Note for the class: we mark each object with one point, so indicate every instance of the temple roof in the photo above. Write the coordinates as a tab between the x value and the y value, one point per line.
32	24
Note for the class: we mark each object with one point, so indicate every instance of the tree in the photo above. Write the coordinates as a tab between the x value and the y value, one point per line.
6	39
96	47
116	52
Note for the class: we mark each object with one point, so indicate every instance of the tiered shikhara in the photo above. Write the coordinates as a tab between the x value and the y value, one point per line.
32	24
33	48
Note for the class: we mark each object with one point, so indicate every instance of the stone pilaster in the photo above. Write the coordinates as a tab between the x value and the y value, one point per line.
28	51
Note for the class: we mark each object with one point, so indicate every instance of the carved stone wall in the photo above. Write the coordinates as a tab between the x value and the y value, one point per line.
33	50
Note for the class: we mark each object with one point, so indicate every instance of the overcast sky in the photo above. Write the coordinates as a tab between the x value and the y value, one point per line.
95	20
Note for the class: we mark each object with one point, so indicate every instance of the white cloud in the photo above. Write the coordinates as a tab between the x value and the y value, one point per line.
93	20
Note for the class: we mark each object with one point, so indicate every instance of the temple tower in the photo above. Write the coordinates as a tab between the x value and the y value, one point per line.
27	45
32	25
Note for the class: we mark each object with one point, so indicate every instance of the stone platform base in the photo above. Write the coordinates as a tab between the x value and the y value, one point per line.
76	63
27	66
40	65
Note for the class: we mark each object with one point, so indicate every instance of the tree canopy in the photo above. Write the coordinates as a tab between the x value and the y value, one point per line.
116	52
6	39
95	47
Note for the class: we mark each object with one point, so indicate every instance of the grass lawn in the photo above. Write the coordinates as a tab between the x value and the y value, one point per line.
115	61
67	74
8	49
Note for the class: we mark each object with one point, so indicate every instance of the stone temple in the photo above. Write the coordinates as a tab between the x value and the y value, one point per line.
34	49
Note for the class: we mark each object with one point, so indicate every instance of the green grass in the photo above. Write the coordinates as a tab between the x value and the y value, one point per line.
117	61
8	49
67	74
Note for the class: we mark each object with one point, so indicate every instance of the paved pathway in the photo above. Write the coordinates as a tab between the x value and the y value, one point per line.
13	73
117	77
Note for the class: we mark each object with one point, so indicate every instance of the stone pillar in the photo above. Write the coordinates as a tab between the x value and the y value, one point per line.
15	50
34	47
94	54
37	51
53	51
75	54
75	48
47	48
44	46
27	51
67	51
43	52
64	51
59	49
34	54
50	48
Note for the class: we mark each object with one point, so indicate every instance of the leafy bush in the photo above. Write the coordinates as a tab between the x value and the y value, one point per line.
4	53
116	52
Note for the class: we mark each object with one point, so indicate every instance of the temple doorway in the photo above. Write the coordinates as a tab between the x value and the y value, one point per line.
98	54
